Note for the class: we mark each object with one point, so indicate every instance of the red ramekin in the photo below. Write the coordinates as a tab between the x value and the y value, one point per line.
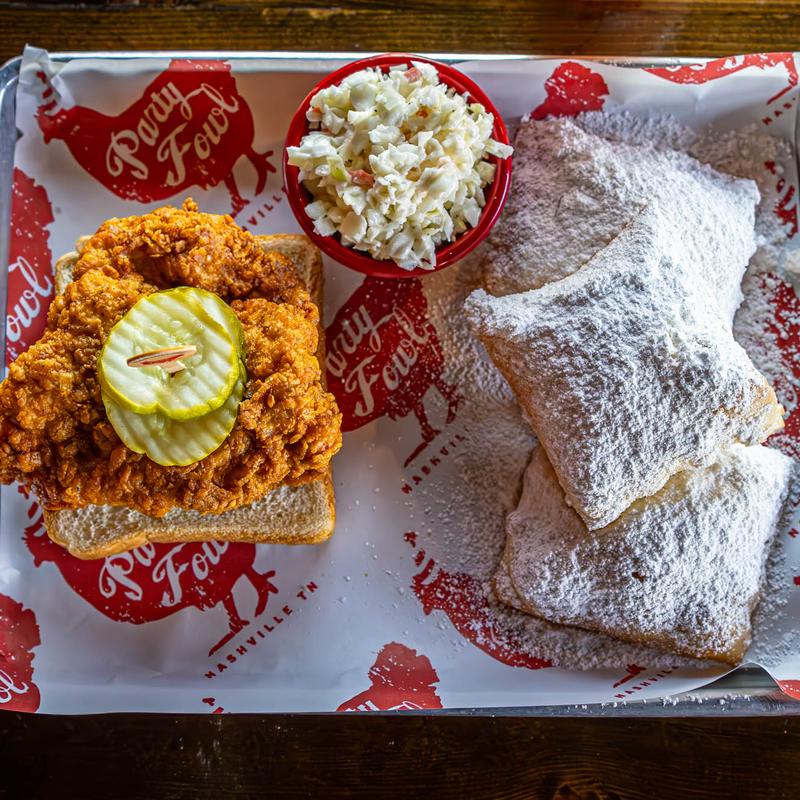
447	253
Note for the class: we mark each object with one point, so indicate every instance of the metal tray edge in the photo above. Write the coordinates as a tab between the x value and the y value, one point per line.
746	691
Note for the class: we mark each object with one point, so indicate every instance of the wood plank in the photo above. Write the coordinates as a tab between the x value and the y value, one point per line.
569	27
366	756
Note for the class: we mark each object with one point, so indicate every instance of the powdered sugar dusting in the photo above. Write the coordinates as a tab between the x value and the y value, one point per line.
568	646
682	568
464	516
625	368
574	192
744	153
773	642
498	442
749	153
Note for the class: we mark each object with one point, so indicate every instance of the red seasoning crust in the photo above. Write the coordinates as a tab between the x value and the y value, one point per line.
54	434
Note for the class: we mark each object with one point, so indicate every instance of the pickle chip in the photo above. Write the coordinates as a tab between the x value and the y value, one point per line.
172	442
163	322
219	310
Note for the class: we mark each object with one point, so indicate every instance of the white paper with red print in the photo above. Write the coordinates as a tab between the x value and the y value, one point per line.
380	617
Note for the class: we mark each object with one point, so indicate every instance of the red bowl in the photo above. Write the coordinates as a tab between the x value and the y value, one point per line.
447	253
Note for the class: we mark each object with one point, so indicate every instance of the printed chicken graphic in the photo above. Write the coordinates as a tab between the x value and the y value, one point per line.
786	206
19	635
463	598
400	679
384	355
571	89
720	67
784	326
30	271
189	128
157	580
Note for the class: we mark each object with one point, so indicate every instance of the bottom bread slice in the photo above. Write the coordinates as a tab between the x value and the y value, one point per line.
680	571
302	515
288	515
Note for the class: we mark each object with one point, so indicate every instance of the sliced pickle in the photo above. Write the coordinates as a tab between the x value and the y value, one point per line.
172	442
164	320
219	310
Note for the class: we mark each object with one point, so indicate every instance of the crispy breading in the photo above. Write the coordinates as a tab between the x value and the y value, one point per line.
54	433
183	247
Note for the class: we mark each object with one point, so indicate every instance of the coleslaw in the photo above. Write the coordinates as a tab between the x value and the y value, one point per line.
396	162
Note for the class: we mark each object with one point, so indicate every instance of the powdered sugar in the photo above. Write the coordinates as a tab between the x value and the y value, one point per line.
573	192
682	568
497	443
772	642
744	153
751	325
750	153
568	646
465	513
625	368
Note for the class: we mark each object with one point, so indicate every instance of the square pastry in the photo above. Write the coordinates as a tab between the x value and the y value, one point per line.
681	570
627	370
574	191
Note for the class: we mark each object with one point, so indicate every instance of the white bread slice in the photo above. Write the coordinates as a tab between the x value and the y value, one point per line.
301	515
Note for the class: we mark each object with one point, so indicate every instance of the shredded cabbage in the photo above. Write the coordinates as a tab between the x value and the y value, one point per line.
396	162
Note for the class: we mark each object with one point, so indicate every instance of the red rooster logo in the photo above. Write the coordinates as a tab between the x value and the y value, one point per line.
571	90
384	355
189	128
400	680
30	284
784	326
157	580
463	599
720	67
19	635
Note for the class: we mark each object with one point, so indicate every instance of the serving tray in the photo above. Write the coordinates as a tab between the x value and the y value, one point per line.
745	691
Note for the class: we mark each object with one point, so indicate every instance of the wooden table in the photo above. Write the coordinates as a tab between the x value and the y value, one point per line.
147	756
588	27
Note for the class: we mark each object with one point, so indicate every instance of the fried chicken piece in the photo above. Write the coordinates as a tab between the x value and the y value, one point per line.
54	433
184	247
